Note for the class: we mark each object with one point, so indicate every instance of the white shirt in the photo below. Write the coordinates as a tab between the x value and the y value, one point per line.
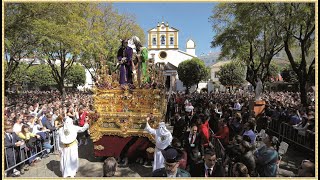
54	117
237	106
17	128
172	175
206	171
190	137
36	128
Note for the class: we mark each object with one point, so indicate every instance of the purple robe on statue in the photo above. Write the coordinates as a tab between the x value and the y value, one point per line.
125	68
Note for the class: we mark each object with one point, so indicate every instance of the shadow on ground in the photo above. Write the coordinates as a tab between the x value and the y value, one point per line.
86	152
54	166
143	171
90	170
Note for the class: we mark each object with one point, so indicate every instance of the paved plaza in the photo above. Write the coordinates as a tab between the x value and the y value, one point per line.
92	167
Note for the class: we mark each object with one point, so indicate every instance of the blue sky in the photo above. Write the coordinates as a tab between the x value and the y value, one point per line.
190	18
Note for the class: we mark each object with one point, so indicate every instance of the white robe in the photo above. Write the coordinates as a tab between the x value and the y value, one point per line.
163	139
69	162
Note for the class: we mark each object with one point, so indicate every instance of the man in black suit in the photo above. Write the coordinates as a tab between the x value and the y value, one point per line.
11	143
211	167
192	143
180	127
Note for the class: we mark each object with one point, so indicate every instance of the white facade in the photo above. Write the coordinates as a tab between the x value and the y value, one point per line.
89	81
175	57
191	47
163	47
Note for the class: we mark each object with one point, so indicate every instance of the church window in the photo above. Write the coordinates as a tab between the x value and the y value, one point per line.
162	55
154	41
163	40
171	40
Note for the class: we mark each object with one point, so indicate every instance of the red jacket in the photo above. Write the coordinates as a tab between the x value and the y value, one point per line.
223	134
82	118
205	134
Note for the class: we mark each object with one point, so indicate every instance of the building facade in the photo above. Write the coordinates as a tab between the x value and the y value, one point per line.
163	46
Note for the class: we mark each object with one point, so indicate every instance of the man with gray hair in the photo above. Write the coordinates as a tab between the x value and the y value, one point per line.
109	167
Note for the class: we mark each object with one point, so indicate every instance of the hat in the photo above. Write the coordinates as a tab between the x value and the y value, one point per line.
171	155
68	133
163	137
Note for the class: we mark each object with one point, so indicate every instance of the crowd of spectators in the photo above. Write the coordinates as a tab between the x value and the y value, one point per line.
32	118
199	120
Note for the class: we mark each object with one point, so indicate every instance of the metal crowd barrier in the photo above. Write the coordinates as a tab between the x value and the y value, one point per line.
289	133
24	156
219	149
274	125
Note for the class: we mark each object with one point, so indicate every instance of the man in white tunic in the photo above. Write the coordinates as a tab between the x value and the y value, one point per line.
68	149
163	139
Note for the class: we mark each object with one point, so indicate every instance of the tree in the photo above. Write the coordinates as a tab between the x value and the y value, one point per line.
245	32
231	74
106	28
62	32
41	76
76	75
288	75
18	40
191	72
19	75
297	23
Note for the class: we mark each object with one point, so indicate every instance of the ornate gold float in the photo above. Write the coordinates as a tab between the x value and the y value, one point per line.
122	109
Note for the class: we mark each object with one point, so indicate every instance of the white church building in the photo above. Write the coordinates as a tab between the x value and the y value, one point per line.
163	47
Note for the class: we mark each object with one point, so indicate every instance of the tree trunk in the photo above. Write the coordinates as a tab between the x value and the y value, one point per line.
303	92
62	89
187	90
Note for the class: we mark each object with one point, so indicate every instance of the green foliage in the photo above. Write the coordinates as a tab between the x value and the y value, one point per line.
274	70
40	75
61	32
76	75
19	75
288	75
18	39
192	71
105	29
231	74
244	32
297	25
